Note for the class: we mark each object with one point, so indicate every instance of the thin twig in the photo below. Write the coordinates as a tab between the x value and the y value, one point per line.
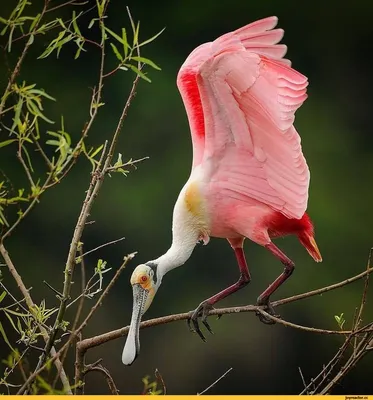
218	380
80	257
302	327
160	379
365	292
42	152
66	4
131	163
109	379
24	165
16	302
55	291
302	377
79	309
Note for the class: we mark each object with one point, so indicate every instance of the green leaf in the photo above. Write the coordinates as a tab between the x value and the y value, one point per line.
53	44
2	296
30	40
3	334
120	40
7	142
93	20
146	61
140	73
100	7
42	93
11	321
125	42
62	42
340	320
75	25
34	22
10	40
116	52
96	151
33	108
17	114
136	34
3	220
80	43
28	158
151	39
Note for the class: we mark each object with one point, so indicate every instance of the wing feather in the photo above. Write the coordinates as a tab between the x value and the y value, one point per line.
241	96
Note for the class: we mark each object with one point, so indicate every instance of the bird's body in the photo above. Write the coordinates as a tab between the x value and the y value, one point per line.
249	178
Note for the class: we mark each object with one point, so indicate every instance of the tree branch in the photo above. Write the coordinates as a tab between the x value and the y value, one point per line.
215	382
83	346
95	341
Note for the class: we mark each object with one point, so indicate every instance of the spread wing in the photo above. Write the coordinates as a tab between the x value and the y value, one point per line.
241	96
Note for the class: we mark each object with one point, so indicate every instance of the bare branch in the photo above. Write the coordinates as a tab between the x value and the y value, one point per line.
159	378
306	328
70	2
218	380
109	379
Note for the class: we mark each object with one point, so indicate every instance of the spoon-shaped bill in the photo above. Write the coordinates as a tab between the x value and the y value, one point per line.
132	347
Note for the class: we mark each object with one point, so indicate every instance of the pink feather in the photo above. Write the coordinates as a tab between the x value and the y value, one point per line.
241	99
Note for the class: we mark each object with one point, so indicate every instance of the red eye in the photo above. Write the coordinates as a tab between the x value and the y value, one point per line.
144	278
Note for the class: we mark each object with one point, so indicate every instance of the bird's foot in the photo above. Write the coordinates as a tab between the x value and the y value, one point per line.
202	311
268	308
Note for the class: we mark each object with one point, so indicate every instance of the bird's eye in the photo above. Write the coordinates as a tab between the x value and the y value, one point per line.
144	278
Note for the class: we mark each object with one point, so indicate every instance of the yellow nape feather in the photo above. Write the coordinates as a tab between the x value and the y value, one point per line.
194	200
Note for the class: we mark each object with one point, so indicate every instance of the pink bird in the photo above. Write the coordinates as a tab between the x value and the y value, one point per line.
249	178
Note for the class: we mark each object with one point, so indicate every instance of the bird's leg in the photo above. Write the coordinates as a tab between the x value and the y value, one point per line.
263	299
203	309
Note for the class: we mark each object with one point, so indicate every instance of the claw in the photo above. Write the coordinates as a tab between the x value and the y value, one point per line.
200	311
269	309
207	325
198	330
190	326
264	319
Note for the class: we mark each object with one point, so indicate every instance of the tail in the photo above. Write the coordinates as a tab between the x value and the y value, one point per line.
308	241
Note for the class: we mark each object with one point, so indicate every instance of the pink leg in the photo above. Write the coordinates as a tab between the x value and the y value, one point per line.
205	306
263	299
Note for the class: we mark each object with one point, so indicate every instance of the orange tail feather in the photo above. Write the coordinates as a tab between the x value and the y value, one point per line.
308	241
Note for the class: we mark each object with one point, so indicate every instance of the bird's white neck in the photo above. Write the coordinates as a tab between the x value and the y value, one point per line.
187	227
175	256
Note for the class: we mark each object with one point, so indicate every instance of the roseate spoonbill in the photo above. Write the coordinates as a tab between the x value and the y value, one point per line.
249	178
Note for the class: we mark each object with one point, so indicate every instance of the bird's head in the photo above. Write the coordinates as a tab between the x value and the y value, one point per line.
145	282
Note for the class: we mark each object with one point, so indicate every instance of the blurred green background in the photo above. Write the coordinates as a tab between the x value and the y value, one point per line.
328	41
